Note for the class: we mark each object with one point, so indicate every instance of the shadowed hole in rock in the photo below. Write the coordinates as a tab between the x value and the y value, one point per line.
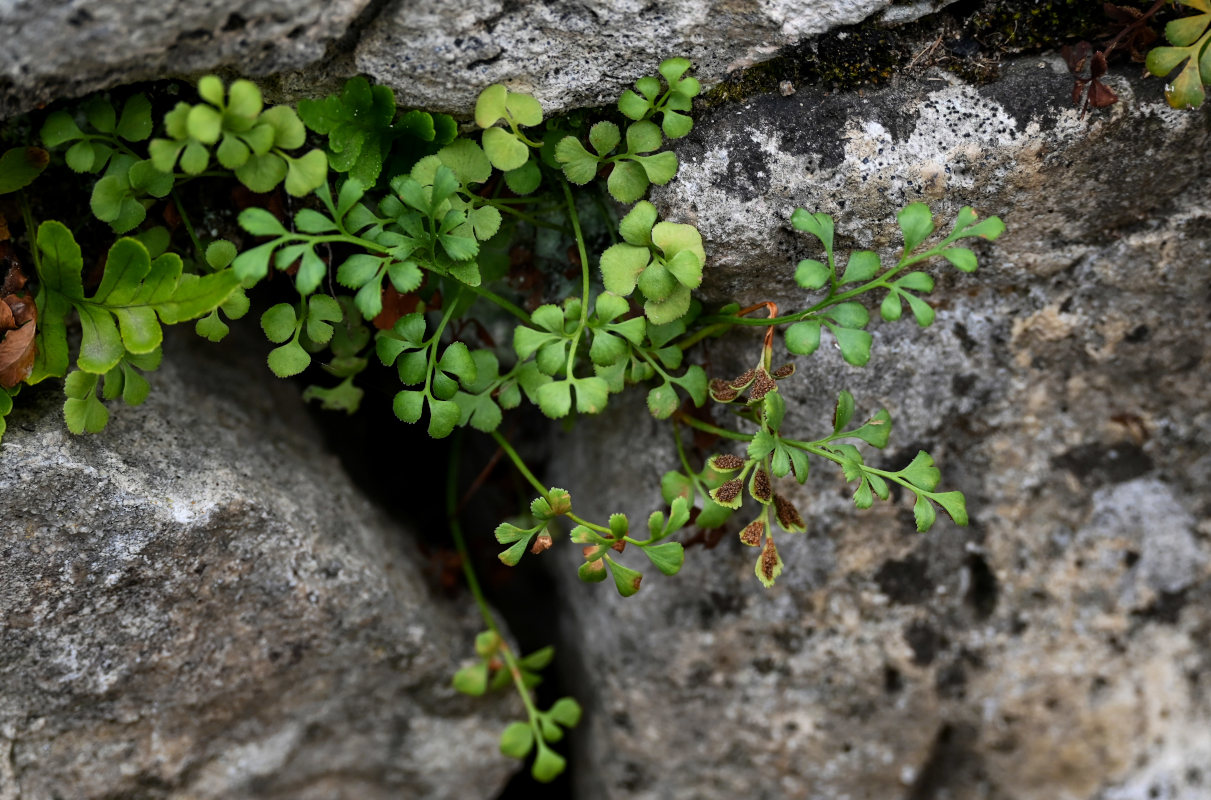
951	767
905	581
403	470
982	591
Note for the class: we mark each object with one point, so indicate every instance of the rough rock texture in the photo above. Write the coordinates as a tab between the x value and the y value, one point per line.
198	604
1058	648
65	48
570	54
436	55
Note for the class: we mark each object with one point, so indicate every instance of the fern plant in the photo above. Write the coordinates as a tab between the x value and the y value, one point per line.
398	251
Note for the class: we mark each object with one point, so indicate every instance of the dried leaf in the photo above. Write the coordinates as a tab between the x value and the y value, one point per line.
17	347
1100	95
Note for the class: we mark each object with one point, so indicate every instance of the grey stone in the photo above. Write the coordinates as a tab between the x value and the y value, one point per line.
65	48
198	603
1058	647
435	55
573	54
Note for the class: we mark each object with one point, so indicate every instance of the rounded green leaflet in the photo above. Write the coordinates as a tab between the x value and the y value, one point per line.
59	128
210	89
244	99
196	158
854	344
305	175
80	156
408	406
643	137
621	265
144	177
657	282
279	322
670	309
288	129
163	154
676	125
921	311
212	327
485	221
924	512
443	417
633	106
566	711
674	237
472	680
607	349
261	222
604	136
662	401
259	173
673	68
516	740
467	159
850	315
626	580
204	124
862	266
100	114
232	152
627	182
525	179
961	258
1185	31
917	223
636	226
548	765
289	359
667	557
523	109
490	105
891	308
803	338
504	150
19	167
85	415
660	168
811	274
134	125
649	87
578	164
555	399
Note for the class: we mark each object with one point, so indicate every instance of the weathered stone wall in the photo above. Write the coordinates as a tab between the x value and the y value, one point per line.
197	603
252	629
1057	648
436	55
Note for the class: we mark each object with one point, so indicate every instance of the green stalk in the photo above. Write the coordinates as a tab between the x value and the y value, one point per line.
504	445
715	429
584	274
485	611
193	236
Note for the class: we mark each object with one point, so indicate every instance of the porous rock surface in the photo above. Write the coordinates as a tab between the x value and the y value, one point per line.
197	603
435	54
1057	648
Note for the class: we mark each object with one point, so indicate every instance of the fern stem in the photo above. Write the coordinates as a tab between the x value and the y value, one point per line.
193	236
520	465
485	611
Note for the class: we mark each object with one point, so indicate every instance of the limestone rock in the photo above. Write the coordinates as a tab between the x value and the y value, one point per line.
1058	647
66	48
198	603
570	54
435	55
